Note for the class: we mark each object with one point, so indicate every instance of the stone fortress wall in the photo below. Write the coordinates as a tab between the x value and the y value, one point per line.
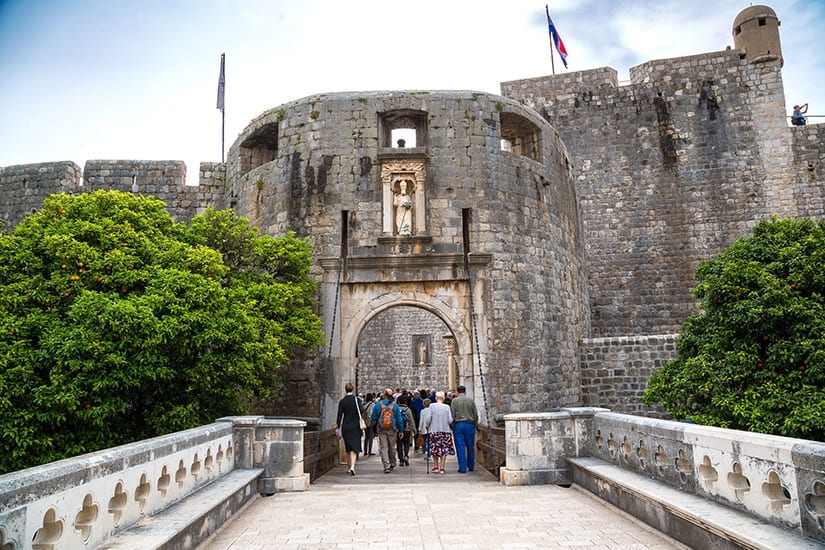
650	177
671	168
326	167
26	186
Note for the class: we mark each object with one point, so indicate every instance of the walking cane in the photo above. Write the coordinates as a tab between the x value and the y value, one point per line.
427	453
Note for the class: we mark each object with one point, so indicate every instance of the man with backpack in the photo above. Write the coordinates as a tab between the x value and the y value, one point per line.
389	426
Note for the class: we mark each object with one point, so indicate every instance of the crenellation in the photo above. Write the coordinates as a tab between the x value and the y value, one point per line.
26	186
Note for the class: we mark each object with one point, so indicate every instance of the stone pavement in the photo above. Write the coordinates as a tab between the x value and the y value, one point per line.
410	509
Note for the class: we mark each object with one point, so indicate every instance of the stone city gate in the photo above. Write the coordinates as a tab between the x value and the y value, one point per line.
361	302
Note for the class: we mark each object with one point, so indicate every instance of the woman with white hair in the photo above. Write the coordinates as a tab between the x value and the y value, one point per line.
441	436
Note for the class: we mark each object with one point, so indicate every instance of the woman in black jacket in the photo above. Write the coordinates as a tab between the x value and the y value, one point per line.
349	426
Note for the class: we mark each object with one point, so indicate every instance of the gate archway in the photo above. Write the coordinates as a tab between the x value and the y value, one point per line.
361	304
352	298
407	347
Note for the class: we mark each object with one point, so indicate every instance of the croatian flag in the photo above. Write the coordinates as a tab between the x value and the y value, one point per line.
554	36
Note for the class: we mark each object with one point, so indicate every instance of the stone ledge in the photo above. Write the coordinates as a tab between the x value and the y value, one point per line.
550	476
192	520
270	486
688	518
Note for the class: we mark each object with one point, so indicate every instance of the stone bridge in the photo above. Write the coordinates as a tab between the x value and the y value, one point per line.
702	486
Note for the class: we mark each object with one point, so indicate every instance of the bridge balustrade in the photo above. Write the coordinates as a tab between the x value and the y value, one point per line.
83	501
778	479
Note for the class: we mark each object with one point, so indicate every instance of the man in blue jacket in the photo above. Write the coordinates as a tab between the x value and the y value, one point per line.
389	426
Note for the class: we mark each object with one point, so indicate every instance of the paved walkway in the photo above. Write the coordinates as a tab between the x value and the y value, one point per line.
410	509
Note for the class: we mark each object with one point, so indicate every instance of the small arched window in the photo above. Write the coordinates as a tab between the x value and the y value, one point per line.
259	148
519	135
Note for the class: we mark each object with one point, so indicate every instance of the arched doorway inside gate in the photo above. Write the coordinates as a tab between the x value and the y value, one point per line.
408	347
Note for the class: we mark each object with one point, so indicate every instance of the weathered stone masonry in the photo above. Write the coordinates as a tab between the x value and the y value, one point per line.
585	205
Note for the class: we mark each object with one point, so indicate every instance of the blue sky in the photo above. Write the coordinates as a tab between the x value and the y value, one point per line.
109	79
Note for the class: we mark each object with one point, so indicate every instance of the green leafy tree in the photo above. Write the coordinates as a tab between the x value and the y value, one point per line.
117	324
754	359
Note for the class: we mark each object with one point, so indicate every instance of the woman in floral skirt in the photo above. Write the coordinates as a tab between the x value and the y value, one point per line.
440	434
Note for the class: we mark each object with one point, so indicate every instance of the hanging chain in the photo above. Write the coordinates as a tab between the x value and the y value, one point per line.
478	355
324	369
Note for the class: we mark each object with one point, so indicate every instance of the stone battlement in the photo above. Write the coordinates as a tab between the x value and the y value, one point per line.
26	186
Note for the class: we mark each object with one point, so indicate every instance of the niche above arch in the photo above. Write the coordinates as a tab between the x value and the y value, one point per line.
407	177
259	148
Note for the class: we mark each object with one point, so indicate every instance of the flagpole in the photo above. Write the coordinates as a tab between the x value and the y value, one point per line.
222	105
223	132
552	57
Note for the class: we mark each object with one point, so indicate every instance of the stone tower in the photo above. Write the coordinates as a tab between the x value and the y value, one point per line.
756	30
447	240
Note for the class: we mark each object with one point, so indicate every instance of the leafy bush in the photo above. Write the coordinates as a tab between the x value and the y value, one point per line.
755	358
117	324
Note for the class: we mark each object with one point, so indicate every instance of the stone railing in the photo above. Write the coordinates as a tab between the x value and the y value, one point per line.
778	479
81	502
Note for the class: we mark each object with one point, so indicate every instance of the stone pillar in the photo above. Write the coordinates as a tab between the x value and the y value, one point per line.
274	444
449	343
538	445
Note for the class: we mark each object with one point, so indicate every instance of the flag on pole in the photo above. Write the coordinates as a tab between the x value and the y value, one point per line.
554	36
221	85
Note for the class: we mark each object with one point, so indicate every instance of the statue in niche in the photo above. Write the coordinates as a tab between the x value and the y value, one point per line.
403	209
422	352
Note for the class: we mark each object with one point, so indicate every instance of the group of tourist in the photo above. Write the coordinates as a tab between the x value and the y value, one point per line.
430	421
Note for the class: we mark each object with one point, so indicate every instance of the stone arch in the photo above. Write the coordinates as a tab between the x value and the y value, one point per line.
405	346
454	317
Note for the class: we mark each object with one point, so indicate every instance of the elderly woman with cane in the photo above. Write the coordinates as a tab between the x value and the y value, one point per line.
440	434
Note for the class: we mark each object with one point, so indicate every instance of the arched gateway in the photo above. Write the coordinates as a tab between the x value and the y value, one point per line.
446	299
458	205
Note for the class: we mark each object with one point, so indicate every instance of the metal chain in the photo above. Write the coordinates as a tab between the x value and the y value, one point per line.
478	355
324	372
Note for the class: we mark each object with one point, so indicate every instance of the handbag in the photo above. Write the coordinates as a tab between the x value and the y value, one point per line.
361	422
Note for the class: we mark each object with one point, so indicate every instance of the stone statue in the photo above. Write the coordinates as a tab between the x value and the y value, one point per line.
422	352
403	210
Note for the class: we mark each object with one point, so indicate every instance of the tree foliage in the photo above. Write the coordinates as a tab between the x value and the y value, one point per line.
754	359
117	324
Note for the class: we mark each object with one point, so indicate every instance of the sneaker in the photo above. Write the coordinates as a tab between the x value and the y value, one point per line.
392	466
387	470
435	469
443	472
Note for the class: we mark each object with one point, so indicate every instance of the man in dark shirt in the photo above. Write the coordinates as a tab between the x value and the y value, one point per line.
465	417
416	405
